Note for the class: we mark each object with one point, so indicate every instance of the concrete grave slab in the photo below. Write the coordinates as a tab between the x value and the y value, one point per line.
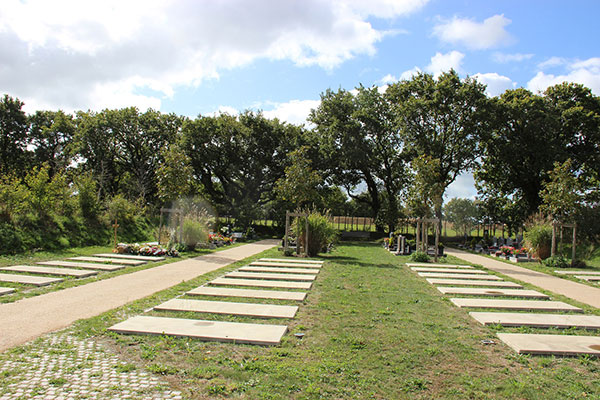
450	270
468	282
28	279
130	256
522	305
282	270
560	345
283	264
249	293
492	292
537	320
261	334
292	260
78	273
109	260
6	290
229	308
590	278
260	283
269	276
428	265
459	276
75	264
578	272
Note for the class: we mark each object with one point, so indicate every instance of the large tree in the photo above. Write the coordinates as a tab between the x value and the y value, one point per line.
13	136
51	135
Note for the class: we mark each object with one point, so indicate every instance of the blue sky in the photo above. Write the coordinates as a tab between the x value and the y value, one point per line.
195	57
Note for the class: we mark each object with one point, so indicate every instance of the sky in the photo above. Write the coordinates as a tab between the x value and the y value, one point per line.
201	57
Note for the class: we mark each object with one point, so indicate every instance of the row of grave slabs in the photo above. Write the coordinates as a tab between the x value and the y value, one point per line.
270	288
508	304
49	272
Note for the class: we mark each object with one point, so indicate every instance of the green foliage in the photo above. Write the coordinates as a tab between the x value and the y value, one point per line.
300	185
321	233
194	232
13	136
419	256
556	261
561	196
539	238
462	213
87	196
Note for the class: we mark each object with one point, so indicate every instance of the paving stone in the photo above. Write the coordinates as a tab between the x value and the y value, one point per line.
109	260
130	257
261	283
292	260
101	267
249	293
576	272
591	278
261	334
560	345
537	320
28	279
467	282
492	292
450	270
230	308
515	304
50	271
269	276
6	290
428	265
281	270
283	264
459	276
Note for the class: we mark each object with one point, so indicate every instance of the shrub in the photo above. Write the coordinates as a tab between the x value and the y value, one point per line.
419	256
556	261
194	232
539	238
321	233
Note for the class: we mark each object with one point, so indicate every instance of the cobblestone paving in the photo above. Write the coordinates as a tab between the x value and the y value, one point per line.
64	367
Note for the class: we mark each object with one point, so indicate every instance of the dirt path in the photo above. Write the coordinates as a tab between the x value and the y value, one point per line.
29	318
576	291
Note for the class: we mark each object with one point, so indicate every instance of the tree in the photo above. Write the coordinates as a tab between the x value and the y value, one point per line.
13	136
51	134
462	213
561	195
443	119
300	185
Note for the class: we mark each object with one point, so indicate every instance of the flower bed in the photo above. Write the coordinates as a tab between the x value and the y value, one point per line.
145	250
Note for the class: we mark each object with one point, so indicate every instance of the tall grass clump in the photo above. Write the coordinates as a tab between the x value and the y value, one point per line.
321	233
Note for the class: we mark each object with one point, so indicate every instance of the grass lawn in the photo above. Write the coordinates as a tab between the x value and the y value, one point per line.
373	329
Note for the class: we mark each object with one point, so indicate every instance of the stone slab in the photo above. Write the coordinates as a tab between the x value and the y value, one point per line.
6	290
523	305
492	292
269	276
261	334
300	261
590	278
130	257
260	283
281	270
537	320
468	282
75	264
450	270
560	345
79	273
109	260
229	308
249	293
283	264
428	265
28	279
459	276
577	272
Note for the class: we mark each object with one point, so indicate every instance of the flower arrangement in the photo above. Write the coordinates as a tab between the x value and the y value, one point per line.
145	250
507	250
219	239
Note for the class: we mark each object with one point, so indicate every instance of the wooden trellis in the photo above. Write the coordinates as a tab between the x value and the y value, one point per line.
559	225
421	234
288	215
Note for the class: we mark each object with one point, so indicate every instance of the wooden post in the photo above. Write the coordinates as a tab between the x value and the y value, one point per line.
573	246
418	236
287	229
437	241
160	225
553	246
306	237
115	226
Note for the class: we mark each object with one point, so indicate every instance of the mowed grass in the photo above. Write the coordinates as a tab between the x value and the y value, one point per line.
372	329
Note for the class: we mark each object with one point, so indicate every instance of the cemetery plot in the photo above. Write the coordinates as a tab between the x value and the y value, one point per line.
459	276
224	307
78	273
428	265
260	283
282	270
467	282
579	272
522	305
269	276
130	257
29	280
283	264
561	345
537	320
248	293
492	292
6	290
102	267
293	260
450	270
109	260
590	278
236	332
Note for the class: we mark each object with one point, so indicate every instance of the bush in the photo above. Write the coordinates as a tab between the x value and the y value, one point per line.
539	238
194	232
556	262
419	256
321	233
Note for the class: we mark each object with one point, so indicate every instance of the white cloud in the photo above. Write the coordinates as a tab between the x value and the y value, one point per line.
75	54
293	112
496	84
553	62
389	78
445	62
407	75
508	58
586	72
475	35
462	187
